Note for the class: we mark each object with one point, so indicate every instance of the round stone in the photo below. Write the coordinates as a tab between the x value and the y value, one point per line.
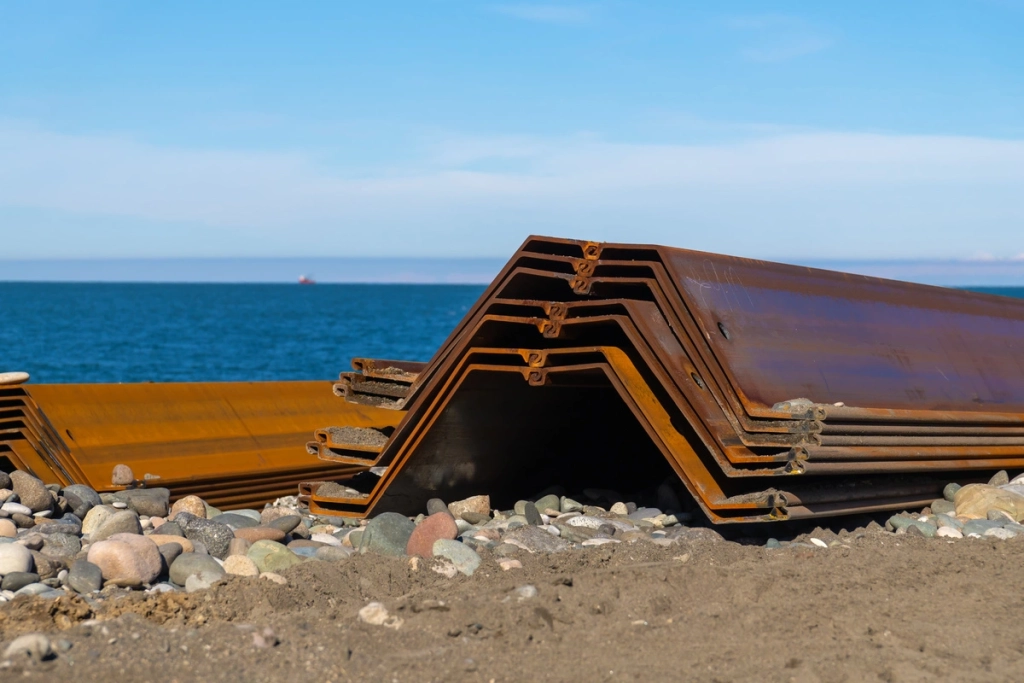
14	581
286	524
464	558
478	504
435	505
15	558
31	491
277	562
190	504
235	521
387	534
78	494
164	539
548	502
127	559
34	646
439	525
16	509
121	522
215	536
335	554
240	565
203	580
170	552
7	529
85	577
238	546
188	564
122	475
260	533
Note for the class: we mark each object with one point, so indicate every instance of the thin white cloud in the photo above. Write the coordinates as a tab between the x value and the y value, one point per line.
777	38
862	195
546	13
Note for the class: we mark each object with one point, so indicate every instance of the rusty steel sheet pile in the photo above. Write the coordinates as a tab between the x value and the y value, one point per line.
235	444
767	391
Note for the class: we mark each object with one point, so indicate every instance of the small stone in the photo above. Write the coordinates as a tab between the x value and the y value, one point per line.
287	524
188	564
268	515
435	505
999	532
590	542
948	532
46	567
978	527
7	529
507	563
32	493
644	513
16	509
261	549
163	539
214	536
387	534
170	552
121	522
15	558
202	580
1000	478
85	577
122	475
437	526
818	542
95	517
527	592
619	509
240	565
150	502
235	521
334	553
976	500
570	505
34	646
238	546
260	533
191	504
275	578
127	560
548	502
943	507
61	545
67	524
532	514
478	504
14	581
536	540
377	615
998	516
170	529
78	494
773	544
475	518
465	559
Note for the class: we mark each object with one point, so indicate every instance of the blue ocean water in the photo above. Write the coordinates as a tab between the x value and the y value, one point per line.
103	332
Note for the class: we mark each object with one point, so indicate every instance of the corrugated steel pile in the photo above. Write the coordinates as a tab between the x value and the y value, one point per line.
235	444
767	391
771	391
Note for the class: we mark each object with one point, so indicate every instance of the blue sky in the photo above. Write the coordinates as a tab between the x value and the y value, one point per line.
789	130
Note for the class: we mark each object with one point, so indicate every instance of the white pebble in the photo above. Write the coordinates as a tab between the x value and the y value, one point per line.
119	505
818	542
551	529
525	592
376	614
590	542
949	532
16	508
1000	533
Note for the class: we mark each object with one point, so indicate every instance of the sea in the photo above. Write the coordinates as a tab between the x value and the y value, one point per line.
61	332
141	332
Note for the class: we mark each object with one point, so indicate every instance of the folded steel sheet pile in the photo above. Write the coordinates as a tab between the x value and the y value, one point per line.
769	391
235	444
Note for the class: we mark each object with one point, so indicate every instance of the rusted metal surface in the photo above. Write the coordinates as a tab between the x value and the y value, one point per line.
235	443
737	373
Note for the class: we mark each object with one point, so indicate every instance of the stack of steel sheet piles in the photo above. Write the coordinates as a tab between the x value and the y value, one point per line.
235	444
770	391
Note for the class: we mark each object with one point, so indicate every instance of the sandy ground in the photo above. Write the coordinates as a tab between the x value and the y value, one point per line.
875	607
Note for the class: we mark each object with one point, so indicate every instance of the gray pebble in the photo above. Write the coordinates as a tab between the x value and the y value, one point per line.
950	491
435	505
532	514
17	580
84	577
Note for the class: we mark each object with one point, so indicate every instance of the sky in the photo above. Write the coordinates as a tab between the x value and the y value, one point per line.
444	128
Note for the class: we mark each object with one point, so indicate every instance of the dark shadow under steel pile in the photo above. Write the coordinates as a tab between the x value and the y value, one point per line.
769	391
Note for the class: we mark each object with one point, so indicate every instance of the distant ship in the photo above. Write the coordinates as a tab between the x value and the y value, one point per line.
303	280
